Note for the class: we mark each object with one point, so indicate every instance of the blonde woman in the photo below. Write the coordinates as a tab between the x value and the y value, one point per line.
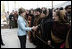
22	27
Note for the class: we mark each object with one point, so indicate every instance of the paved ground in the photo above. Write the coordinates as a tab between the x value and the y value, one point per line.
11	40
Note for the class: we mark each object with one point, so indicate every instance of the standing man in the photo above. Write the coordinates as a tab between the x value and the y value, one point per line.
11	20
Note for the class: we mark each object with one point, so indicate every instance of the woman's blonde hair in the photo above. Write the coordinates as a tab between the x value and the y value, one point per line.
21	10
62	16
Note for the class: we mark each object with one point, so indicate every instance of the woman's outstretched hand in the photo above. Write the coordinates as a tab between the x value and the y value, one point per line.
34	28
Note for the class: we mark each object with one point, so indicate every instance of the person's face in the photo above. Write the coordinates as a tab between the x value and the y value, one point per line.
35	13
15	12
31	12
55	17
38	13
42	15
29	17
23	14
27	11
69	9
43	9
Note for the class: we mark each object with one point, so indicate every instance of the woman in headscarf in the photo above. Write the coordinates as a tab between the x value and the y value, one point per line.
60	29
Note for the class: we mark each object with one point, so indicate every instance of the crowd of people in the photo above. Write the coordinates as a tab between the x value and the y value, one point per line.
11	18
47	28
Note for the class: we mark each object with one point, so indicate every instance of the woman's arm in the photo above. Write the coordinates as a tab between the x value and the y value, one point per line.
23	27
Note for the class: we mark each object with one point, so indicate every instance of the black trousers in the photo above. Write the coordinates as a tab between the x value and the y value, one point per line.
1	41
22	41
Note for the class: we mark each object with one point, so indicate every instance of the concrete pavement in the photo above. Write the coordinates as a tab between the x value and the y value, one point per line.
11	40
